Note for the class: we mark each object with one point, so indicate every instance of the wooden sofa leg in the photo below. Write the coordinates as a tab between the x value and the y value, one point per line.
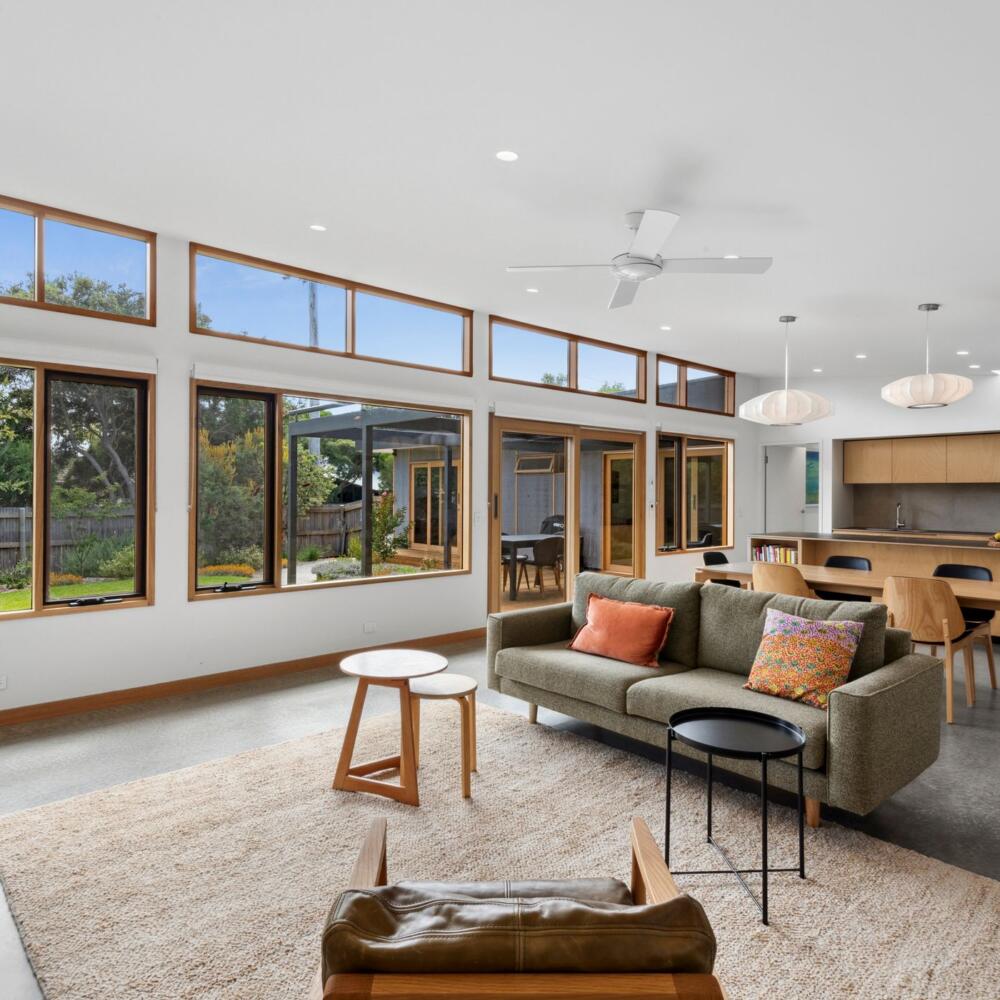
812	813
532	713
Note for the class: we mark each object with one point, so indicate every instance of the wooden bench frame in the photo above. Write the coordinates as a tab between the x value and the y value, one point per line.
651	883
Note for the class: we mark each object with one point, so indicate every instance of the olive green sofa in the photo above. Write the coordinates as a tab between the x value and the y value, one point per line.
881	730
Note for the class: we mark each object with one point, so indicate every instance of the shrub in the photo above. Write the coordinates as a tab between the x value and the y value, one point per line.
227	569
341	568
89	553
18	576
121	565
354	546
310	553
62	579
244	555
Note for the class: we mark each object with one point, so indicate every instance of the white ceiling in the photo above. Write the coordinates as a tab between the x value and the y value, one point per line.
855	142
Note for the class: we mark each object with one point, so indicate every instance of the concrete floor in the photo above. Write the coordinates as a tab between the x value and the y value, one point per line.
949	812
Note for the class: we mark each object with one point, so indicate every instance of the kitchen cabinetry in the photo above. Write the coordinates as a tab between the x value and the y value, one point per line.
868	461
946	458
973	458
919	460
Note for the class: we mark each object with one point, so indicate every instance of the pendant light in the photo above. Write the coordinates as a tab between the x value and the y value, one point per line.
786	407
932	389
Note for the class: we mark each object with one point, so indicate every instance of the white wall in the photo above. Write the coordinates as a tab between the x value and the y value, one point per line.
860	411
63	656
786	508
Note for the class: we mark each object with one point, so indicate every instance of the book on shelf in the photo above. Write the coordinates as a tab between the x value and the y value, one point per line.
774	554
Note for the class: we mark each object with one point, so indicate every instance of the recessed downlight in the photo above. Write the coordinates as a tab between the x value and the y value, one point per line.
665	328
961	353
817	371
975	366
861	357
317	228
730	256
507	155
996	371
533	291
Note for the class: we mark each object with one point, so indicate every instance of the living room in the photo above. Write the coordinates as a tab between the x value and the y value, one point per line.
667	336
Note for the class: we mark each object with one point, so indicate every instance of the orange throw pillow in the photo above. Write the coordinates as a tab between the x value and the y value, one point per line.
624	630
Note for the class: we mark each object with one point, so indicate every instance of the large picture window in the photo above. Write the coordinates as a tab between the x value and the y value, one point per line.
687	386
75	474
531	355
361	491
694	493
246	298
52	259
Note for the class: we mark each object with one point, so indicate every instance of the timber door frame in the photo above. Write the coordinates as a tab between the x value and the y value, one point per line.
575	433
608	459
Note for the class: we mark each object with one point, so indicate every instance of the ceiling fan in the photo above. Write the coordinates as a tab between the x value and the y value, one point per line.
642	260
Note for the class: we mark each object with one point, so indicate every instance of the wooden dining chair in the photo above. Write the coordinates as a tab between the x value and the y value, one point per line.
927	608
780	578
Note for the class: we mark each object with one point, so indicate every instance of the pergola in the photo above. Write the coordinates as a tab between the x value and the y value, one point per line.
371	428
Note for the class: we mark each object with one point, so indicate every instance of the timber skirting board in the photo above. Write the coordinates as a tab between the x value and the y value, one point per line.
205	682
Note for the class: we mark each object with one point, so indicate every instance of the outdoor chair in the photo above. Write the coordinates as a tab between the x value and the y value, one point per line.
547	554
537	940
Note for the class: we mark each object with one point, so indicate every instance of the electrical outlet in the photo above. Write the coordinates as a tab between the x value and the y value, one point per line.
3	682
369	627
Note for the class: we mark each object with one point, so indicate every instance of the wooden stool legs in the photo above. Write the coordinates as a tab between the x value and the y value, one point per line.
467	712
354	777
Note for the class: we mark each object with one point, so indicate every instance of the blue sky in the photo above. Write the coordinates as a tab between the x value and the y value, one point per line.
69	248
262	303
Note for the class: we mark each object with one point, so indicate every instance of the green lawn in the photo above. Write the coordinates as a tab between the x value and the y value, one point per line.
20	600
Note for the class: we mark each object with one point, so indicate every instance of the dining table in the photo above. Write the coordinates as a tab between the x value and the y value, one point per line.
867	583
509	545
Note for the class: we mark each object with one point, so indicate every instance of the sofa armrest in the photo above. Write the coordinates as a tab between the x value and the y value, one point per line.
898	643
883	730
531	627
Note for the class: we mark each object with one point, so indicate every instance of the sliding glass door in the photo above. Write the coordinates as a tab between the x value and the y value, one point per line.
564	499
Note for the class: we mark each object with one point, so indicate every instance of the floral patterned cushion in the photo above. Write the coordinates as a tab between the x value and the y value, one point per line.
801	659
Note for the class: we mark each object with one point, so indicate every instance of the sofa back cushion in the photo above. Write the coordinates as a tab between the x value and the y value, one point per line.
732	623
418	929
685	598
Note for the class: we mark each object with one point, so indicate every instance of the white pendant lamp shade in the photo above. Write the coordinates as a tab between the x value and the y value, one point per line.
786	407
932	389
923	392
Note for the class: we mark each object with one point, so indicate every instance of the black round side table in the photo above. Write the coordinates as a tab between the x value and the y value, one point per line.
741	735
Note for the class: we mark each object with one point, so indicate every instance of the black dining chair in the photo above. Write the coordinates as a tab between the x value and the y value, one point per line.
845	562
972	616
719	559
546	554
554	524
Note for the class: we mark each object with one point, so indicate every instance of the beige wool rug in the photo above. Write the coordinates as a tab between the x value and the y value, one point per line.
214	881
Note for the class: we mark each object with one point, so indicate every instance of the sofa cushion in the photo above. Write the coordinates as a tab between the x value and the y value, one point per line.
594	679
624	630
659	697
401	929
732	623
682	642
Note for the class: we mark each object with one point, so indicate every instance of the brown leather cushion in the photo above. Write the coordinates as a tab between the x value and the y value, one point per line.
418	928
601	890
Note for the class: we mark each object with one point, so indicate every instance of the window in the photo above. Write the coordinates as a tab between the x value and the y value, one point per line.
533	356
52	259
694	493
75	467
689	386
235	491
368	491
246	298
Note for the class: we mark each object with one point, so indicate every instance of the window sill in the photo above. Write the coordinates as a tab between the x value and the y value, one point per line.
694	551
65	609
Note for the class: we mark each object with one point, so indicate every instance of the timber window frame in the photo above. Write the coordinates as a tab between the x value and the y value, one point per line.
573	342
44	373
41	213
682	366
276	513
351	289
679	485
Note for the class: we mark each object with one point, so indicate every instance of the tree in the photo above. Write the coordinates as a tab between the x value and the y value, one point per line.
549	378
314	477
82	292
614	388
386	522
16	438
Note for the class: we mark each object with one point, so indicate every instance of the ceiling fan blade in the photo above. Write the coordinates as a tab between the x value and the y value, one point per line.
654	229
717	265
623	294
553	267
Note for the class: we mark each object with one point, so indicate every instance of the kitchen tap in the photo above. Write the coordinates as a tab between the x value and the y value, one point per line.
900	523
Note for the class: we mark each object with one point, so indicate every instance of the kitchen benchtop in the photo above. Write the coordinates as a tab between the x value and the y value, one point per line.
956	539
